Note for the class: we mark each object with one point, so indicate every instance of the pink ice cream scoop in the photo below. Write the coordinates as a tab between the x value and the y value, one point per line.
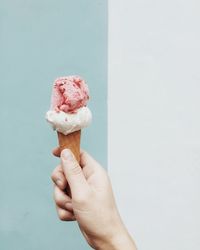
69	94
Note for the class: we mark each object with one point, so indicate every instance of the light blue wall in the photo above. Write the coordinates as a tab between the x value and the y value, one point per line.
39	41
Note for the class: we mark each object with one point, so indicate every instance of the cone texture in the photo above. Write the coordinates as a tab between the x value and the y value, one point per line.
72	142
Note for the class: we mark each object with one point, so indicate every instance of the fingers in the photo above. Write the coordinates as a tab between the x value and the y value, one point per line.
87	160
89	165
65	215
63	205
58	178
56	152
73	174
62	200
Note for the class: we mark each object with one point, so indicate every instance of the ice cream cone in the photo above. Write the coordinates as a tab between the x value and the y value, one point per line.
72	142
68	112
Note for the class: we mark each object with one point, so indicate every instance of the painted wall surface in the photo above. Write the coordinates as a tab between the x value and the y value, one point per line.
39	41
154	124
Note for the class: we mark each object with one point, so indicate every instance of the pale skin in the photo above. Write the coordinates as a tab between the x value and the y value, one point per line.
84	193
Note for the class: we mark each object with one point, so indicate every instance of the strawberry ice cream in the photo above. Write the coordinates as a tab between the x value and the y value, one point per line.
69	94
68	112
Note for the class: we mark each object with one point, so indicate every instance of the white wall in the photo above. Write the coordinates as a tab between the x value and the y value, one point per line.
154	120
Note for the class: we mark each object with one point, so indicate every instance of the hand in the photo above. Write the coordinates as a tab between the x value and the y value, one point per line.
84	193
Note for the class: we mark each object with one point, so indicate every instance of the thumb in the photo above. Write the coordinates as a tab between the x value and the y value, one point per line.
73	173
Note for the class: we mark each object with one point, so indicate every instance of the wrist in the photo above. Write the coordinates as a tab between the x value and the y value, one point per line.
118	240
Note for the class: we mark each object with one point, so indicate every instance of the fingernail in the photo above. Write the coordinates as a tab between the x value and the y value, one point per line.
66	154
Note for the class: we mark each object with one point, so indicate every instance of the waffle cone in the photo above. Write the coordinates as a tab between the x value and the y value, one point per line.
72	142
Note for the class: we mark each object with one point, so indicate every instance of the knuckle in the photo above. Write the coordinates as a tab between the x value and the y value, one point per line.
58	200
62	215
54	173
62	218
53	177
69	218
65	216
